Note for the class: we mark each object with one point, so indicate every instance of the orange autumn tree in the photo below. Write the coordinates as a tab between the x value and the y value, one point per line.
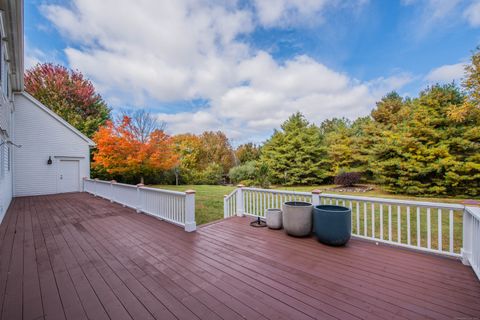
120	151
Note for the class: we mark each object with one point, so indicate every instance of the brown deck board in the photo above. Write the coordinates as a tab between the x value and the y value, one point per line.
74	256
6	247
32	296
216	253
402	280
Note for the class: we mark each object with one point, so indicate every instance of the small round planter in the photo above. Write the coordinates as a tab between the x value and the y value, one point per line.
297	218
332	224
274	218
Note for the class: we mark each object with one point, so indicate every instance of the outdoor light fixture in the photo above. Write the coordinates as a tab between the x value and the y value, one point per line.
49	161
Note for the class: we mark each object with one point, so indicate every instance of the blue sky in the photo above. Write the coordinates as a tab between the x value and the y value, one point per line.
244	66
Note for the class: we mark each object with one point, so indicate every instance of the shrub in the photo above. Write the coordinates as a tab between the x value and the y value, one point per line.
251	173
211	175
248	183
348	179
242	172
262	175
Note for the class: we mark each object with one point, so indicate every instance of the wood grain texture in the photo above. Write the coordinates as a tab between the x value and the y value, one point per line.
74	256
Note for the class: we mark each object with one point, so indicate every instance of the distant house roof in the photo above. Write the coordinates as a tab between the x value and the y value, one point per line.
56	117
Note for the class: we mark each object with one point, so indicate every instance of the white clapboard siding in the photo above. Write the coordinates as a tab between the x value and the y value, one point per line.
43	134
6	175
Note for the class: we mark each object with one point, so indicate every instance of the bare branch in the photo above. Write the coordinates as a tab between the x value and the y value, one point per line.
143	123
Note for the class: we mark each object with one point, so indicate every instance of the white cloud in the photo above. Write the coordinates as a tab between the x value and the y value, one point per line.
274	12
446	73
282	13
269	92
182	50
435	14
434	9
431	15
33	56
472	14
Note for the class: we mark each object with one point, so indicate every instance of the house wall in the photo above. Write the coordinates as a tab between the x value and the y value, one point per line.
42	136
6	124
5	155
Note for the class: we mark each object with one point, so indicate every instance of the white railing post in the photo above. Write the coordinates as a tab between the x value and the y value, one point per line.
84	182
240	209
95	187
112	192
139	197
466	250
316	197
225	207
190	224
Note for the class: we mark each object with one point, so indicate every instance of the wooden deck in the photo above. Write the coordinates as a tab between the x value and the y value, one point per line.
78	257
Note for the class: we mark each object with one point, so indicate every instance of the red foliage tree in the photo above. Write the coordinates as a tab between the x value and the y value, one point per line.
119	151
69	94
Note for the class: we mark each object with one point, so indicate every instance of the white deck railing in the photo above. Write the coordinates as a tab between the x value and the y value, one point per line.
172	206
471	235
230	204
442	228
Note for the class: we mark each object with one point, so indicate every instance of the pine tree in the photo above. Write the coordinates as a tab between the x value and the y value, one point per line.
295	154
427	151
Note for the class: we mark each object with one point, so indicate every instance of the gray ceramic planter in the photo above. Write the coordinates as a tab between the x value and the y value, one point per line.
297	218
274	218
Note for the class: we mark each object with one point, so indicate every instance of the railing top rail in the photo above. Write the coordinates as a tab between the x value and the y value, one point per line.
125	185
99	181
231	194
177	193
298	193
474	211
439	205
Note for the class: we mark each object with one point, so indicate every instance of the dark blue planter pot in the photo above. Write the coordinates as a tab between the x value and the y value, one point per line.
332	224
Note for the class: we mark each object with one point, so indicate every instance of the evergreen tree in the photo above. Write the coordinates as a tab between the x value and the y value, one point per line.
388	109
295	154
428	151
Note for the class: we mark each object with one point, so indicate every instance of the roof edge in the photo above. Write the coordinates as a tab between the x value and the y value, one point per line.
56	117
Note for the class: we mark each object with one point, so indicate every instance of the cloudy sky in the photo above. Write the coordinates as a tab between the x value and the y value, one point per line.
244	66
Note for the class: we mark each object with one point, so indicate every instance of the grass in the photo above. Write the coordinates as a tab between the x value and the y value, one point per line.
208	200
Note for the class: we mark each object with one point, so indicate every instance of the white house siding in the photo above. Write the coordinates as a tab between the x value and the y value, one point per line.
5	155
42	136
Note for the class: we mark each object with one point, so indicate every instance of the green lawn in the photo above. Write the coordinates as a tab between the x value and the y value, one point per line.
208	200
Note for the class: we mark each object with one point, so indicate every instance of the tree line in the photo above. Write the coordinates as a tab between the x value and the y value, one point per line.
428	145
